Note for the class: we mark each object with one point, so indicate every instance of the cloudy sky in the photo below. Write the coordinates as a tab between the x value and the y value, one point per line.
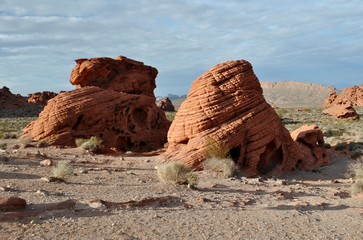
310	41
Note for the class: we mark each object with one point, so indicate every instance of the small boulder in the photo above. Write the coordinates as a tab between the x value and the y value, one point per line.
11	203
310	140
346	112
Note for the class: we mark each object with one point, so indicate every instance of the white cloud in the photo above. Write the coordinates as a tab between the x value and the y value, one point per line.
298	40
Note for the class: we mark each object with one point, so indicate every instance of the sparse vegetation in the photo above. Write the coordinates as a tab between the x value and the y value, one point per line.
42	144
3	146
93	144
355	170
11	128
215	149
177	173
63	170
226	166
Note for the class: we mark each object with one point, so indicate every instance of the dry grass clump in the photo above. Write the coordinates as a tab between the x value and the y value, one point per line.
218	159
215	149
63	170
93	144
355	170
226	166
42	144
177	173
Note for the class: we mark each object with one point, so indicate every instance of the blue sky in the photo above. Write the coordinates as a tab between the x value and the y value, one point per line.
308	41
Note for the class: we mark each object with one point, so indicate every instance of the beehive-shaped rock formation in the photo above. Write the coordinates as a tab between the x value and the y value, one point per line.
226	105
114	102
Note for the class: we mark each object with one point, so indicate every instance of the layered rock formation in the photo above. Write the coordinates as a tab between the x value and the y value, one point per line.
41	97
226	105
166	105
342	111
120	74
126	120
352	96
311	143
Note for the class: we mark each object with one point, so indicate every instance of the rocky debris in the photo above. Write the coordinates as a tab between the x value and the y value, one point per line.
11	203
226	105
37	209
311	143
121	74
350	96
166	105
119	109
46	162
15	105
344	111
41	97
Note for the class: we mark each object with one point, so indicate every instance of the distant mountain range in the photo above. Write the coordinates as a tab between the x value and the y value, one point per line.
284	94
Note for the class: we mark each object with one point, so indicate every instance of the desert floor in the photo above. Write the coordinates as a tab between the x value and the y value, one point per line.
301	205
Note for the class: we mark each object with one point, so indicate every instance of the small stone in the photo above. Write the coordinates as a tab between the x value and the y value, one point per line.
147	160
46	162
96	204
12	203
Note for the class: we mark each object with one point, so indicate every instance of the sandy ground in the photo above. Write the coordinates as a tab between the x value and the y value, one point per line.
301	205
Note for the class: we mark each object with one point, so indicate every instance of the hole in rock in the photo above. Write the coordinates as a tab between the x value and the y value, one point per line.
79	120
122	143
235	153
140	116
269	159
185	141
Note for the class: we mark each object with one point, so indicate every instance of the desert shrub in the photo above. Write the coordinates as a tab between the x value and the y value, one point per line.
3	146
215	149
42	144
26	142
177	173
93	144
170	116
226	166
63	170
355	170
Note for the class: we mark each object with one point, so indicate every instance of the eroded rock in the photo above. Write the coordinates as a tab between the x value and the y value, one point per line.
166	105
226	104
12	203
344	111
311	143
121	74
350	96
114	102
41	97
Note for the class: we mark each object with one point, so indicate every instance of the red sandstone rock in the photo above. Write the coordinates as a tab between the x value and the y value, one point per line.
345	111
311	143
11	203
352	96
166	105
124	121
226	104
41	97
120	74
